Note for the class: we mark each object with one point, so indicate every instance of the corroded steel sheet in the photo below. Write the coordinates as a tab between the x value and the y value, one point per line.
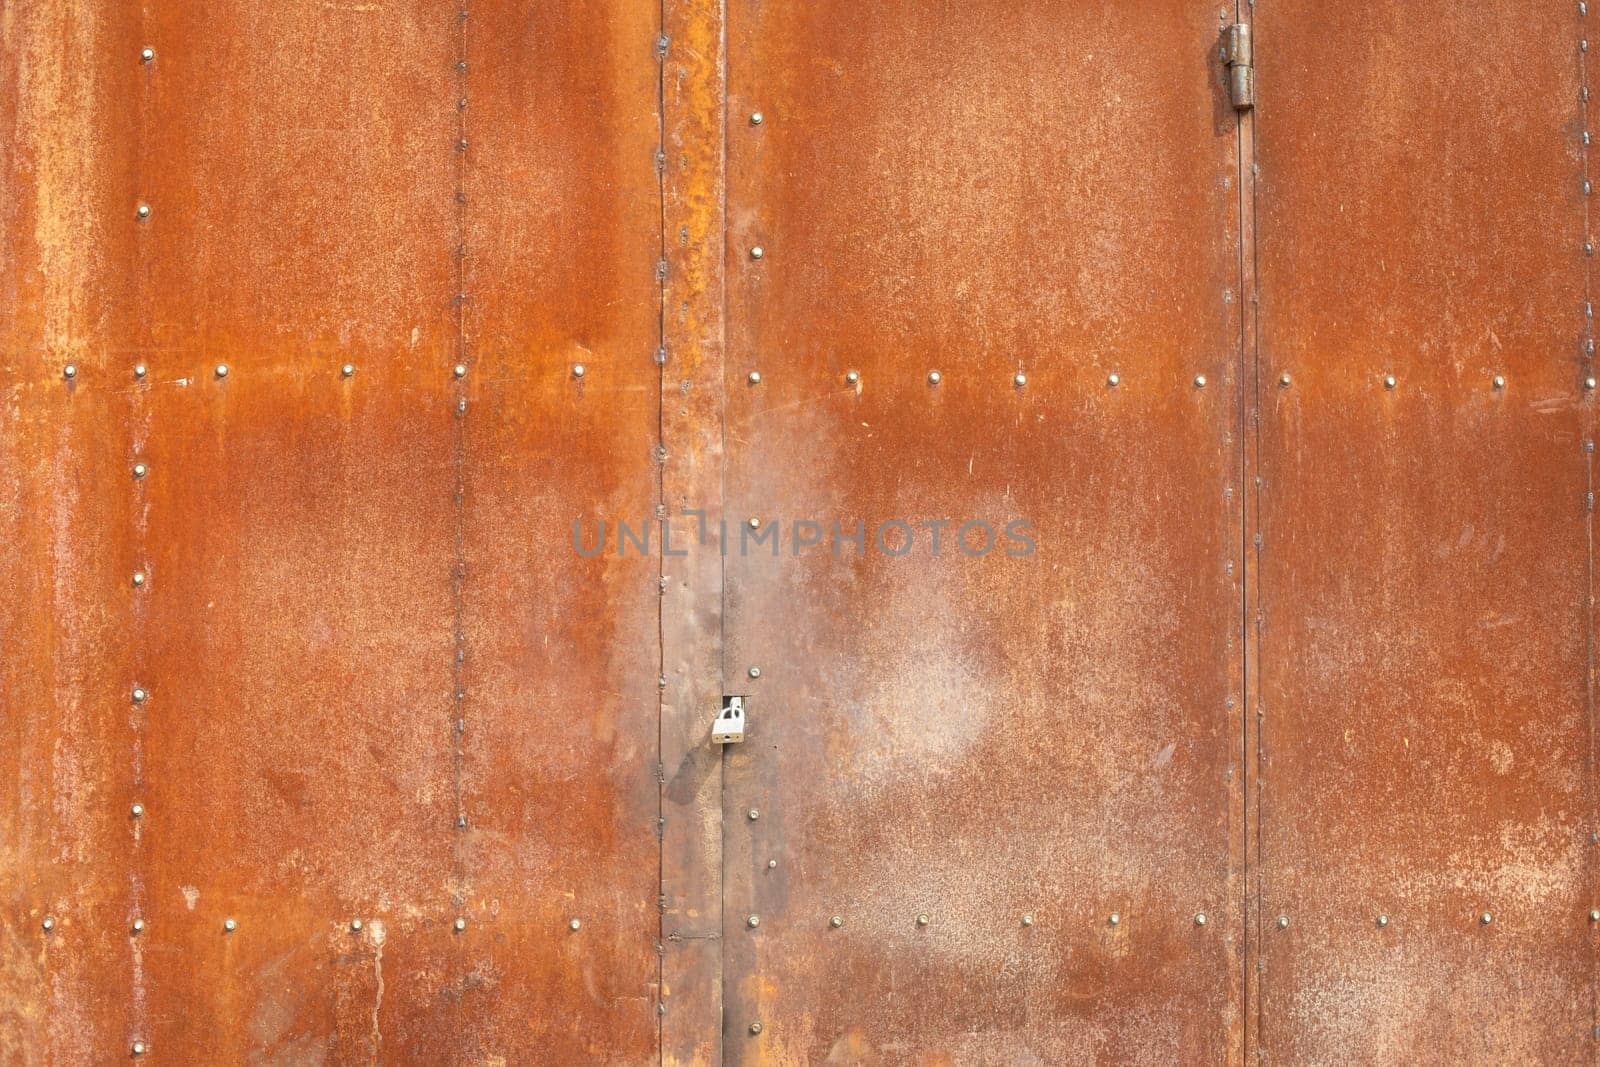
983	190
1427	798
363	690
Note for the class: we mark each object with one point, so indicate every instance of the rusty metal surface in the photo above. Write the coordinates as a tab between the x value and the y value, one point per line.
980	739
327	186
1425	750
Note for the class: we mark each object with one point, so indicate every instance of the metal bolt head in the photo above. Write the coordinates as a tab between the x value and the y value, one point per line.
461	370
1027	920
70	371
574	924
140	470
1588	383
142	211
1019	380
138	1048
1594	915
147	55
934	377
756	118
138	926
222	370
460	924
1200	919
48	924
139	696
1284	379
852	377
1389	381
755	523
229	925
755	1028
137	811
772	864
836	922
1115	920
347	370
922	920
757	252
1283	922
1486	918
754	813
140	370
1199	381
755	377
1383	920
355	925
1499	382
753	922
755	672
579	370
138	578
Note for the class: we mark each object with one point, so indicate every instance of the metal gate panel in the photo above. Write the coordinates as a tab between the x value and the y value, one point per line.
989	808
1426	817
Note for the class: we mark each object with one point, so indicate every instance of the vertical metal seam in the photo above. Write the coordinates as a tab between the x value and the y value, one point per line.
661	511
1586	418
458	880
722	503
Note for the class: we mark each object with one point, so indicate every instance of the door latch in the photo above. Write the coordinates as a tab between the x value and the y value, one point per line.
1238	56
729	727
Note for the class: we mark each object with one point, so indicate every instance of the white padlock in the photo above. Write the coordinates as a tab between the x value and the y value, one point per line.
729	727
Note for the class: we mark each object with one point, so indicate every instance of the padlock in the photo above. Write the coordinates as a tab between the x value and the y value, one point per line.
729	727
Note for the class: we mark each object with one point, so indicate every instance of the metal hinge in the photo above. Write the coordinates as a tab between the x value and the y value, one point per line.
1239	57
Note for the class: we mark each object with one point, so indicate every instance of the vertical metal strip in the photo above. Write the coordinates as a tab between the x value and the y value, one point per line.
691	450
1586	420
1251	713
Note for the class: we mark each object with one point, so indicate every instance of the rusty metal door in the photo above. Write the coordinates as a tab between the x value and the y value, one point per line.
990	808
1152	540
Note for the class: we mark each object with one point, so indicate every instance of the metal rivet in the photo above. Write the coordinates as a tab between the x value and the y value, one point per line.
147	55
222	370
461	370
229	925
1283	922
852	377
1027	920
348	369
1199	381
1499	382
137	810
934	377
1284	379
69	372
755	1028
460	925
771	864
1594	915
755	672
757	252
922	920
1115	920
756	118
1383	920
1486	918
355	924
755	523
836	922
753	922
142	211
754	813
1020	380
1200	919
755	377
1588	383
138	1048
1113	380
138	926
139	696
1389	381
140	470
48	924
140	370
574	924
